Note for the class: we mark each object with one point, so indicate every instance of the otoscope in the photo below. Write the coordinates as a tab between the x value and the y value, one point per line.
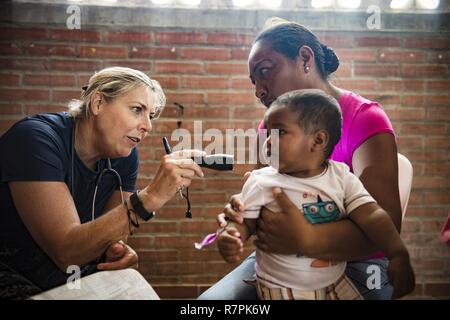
219	161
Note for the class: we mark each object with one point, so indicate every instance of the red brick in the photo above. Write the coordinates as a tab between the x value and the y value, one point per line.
376	70
23	34
240	53
204	83
405	113
127	36
199	227
10	109
185	98
426	212
178	67
154	52
438	289
438	114
423	128
141	242
400	85
432	226
205	54
206	113
235	184
231	98
167	127
155	256
402	56
76	65
43	108
356	85
6	124
75	35
210	253
427	43
50	50
439	57
225	38
144	66
356	55
423	70
180	38
242	84
227	68
377	42
410	226
429	182
425	155
53	80
413	100
83	79
103	52
208	197
336	41
23	64
249	113
167	82
438	85
177	241
24	94
9	79
10	49
410	142
65	95
158	227
438	168
344	70
438	142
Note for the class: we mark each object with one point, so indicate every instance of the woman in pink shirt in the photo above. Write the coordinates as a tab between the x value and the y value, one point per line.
288	57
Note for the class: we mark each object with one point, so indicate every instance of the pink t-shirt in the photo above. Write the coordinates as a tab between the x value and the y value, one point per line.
362	119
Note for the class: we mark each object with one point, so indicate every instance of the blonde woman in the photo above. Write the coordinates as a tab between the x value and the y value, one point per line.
68	182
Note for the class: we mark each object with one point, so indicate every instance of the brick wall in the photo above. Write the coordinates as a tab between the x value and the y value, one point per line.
41	68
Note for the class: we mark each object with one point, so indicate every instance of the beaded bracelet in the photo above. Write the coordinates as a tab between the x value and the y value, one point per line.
130	220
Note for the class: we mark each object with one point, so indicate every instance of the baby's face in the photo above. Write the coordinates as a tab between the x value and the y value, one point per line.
293	149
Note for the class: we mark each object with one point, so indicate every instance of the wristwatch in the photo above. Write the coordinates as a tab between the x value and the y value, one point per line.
139	207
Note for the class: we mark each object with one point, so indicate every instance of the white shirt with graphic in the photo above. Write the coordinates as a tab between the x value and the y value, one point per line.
324	198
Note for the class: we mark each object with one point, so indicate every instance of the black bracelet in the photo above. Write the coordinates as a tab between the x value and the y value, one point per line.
138	207
130	221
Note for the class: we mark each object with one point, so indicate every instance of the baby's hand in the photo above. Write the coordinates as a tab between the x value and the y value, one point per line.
401	276
230	244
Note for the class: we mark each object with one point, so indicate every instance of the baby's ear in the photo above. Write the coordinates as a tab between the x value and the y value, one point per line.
320	140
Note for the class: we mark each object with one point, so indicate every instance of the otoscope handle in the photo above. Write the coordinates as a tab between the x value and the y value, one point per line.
221	162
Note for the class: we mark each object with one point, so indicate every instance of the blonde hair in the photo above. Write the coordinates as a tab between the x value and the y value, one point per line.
112	83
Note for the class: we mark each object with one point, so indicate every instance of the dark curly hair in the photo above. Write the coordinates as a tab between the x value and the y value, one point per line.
316	110
287	37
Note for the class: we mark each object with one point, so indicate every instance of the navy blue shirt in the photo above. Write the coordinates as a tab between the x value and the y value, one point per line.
39	148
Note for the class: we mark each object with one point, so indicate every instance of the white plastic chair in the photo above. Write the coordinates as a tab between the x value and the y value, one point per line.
405	176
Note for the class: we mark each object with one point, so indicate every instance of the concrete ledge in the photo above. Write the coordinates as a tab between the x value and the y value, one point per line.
125	17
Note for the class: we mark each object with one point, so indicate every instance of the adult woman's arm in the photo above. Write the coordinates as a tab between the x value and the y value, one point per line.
375	162
48	212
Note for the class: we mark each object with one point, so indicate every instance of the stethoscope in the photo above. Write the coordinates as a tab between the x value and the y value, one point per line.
98	180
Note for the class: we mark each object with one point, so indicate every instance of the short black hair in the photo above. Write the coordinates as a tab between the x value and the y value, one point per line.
316	110
288	37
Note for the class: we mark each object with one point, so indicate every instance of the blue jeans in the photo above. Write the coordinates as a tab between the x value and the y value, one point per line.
231	287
